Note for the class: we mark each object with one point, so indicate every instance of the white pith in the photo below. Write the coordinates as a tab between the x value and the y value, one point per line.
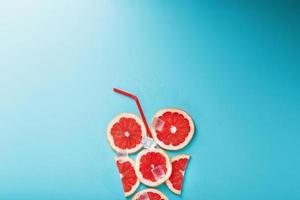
134	187
168	182
137	195
126	134
173	129
170	146
115	120
159	181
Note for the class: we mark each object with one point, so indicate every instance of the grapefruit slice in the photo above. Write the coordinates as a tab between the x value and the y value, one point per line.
177	130
125	133
179	164
130	182
153	167
150	194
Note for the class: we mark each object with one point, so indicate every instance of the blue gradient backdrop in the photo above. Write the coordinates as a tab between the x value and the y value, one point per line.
233	65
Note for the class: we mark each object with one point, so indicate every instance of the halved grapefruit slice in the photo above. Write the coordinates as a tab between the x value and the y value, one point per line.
125	133
130	182
150	194
153	167
177	130
179	164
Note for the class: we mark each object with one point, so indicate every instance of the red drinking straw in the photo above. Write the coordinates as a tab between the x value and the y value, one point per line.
135	98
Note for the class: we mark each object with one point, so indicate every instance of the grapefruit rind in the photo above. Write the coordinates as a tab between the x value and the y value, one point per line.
159	181
116	120
168	182
136	185
187	139
149	190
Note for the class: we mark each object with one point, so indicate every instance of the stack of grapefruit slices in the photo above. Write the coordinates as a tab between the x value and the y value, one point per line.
172	129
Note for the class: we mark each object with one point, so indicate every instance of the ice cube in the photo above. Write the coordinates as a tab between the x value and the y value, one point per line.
121	155
158	124
148	143
144	196
158	172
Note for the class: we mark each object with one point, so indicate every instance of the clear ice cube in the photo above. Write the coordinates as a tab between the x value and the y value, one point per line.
148	143
121	155
158	124
158	172
144	196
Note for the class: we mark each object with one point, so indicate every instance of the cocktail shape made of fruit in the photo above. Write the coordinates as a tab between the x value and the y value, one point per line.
171	129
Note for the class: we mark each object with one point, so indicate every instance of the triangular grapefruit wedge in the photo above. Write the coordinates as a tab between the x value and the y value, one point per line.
130	182
125	133
150	194
179	164
153	167
177	130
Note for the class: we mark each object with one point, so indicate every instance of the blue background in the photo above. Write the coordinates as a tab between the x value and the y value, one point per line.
233	65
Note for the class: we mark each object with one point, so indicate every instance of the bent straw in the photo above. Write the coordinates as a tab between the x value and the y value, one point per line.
135	98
